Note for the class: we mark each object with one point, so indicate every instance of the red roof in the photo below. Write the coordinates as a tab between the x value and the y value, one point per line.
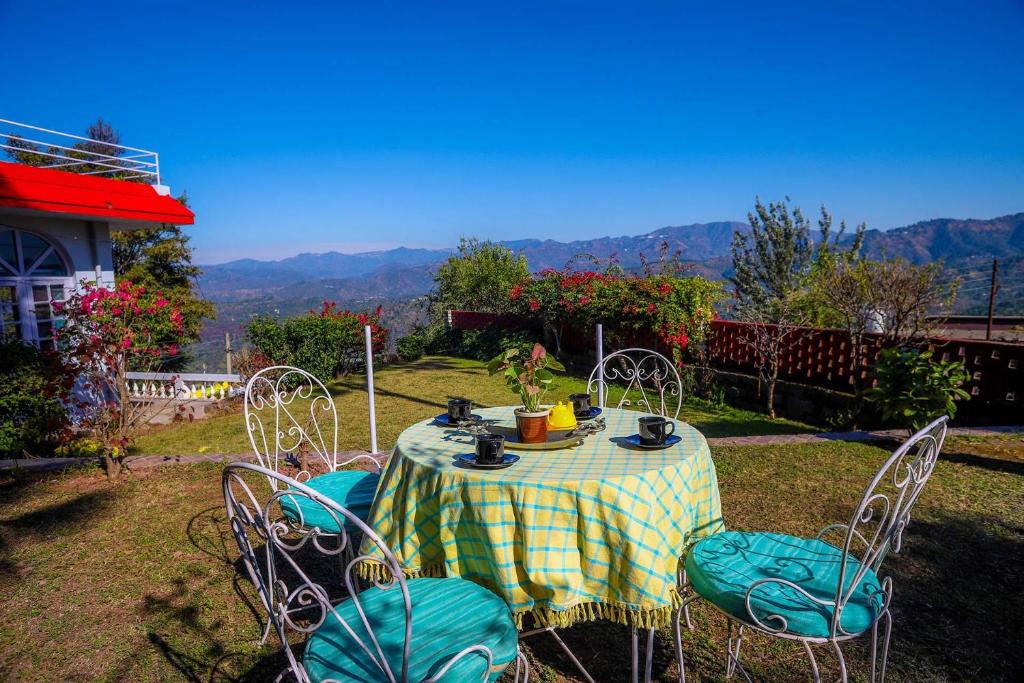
44	190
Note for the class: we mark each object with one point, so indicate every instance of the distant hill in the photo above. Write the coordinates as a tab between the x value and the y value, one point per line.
392	277
951	240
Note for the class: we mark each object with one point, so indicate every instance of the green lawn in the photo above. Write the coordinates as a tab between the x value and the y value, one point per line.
134	580
408	392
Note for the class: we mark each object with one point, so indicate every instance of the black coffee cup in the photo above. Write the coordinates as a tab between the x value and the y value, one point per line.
654	430
580	403
490	448
460	409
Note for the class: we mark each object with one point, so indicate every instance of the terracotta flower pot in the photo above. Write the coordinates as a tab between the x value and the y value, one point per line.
532	427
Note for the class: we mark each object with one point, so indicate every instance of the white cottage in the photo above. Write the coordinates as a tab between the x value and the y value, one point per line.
56	220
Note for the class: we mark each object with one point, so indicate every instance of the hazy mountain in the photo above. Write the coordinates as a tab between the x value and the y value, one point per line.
950	239
292	285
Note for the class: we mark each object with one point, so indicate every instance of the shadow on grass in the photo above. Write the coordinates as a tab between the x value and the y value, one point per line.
986	462
62	517
958	602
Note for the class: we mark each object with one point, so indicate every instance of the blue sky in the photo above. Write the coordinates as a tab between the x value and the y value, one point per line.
356	126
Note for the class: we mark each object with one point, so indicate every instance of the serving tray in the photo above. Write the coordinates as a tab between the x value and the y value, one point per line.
557	439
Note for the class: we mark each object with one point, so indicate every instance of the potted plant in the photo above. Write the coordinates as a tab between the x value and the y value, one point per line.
530	376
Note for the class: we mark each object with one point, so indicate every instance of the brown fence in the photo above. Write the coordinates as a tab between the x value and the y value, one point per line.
823	358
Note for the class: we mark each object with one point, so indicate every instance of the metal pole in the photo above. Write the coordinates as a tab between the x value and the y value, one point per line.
600	365
227	350
369	390
992	298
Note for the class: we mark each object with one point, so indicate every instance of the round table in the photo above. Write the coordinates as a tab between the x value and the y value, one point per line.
590	532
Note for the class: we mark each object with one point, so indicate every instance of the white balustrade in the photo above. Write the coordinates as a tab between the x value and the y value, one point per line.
183	386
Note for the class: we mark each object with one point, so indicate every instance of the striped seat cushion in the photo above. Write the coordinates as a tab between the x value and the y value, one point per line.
351	489
448	615
723	567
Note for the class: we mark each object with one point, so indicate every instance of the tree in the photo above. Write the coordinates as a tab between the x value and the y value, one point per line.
107	333
773	267
892	296
161	258
479	277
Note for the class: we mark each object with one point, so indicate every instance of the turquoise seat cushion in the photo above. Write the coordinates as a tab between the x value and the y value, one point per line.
448	615
723	567
351	489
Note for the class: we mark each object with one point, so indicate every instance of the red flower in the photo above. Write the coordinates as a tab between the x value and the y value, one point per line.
651	308
534	305
516	292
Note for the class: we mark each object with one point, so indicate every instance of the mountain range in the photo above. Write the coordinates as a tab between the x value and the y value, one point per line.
392	277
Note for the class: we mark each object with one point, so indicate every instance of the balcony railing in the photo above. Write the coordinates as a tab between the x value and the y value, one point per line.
47	148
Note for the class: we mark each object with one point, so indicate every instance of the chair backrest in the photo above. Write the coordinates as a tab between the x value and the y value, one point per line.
650	380
292	598
878	522
287	410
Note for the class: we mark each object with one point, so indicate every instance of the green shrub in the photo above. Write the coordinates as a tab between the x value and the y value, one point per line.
912	388
327	344
410	347
33	385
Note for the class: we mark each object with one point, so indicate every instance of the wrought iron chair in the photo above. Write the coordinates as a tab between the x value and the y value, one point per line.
295	404
809	590
642	371
395	630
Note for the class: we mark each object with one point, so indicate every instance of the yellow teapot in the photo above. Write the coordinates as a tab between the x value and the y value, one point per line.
562	417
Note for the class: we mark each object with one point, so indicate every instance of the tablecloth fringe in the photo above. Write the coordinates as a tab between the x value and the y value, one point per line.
376	571
627	615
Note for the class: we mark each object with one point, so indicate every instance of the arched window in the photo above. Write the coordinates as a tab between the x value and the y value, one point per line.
33	276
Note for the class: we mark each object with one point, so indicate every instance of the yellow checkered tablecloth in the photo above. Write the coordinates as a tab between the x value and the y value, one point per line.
582	533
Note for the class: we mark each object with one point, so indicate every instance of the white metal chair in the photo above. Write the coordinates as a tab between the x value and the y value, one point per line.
809	590
288	411
395	630
646	375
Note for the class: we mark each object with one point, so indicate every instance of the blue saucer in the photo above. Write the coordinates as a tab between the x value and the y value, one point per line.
445	421
469	459
589	415
634	440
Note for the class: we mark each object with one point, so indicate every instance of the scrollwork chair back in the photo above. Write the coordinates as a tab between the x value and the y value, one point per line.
287	409
295	601
877	525
650	381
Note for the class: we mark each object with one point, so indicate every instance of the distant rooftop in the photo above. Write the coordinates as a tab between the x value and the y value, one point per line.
45	148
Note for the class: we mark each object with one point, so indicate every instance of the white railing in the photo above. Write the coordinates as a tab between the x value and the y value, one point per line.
77	154
186	386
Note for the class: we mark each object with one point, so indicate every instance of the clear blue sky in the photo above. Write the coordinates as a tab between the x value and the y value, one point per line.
307	127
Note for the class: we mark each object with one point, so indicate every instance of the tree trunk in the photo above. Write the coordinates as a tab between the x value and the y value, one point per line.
773	377
112	466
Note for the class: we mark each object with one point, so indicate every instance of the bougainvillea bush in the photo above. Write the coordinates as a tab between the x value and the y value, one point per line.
677	310
107	333
327	343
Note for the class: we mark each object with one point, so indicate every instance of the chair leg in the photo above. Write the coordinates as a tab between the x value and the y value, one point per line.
677	637
565	648
843	677
815	674
732	662
885	645
684	588
648	669
522	664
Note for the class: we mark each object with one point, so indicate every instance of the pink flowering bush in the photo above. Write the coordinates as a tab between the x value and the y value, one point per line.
678	310
107	333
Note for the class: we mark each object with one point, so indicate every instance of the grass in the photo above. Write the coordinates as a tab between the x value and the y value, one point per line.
407	392
134	580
